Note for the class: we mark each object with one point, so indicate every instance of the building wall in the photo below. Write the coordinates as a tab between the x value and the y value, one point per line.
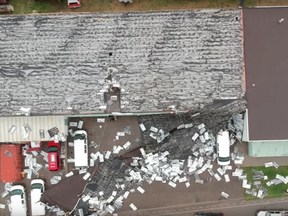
268	148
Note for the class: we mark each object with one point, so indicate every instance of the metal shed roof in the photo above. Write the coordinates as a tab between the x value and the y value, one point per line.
36	123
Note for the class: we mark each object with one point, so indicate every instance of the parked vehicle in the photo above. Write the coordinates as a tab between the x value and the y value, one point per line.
74	3
37	189
18	201
80	148
273	213
10	163
209	214
5	7
54	156
223	143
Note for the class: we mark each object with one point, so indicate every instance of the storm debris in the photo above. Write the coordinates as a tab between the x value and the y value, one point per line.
177	149
133	207
225	195
55	179
12	129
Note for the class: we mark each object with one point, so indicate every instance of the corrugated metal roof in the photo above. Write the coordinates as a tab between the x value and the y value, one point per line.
11	167
36	123
181	58
268	149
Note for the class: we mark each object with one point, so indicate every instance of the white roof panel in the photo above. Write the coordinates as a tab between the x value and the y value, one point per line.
36	123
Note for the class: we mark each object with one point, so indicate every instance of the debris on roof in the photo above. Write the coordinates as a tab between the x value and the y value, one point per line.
12	129
216	63
25	111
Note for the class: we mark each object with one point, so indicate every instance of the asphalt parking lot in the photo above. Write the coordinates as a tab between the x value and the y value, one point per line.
160	194
104	134
157	194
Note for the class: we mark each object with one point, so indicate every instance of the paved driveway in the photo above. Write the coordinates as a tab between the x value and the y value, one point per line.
258	161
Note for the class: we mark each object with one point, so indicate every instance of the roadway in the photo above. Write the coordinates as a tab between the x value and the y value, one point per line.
233	207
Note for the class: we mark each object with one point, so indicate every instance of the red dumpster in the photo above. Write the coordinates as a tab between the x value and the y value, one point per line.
10	163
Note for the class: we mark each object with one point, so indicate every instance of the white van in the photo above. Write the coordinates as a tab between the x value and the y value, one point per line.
223	143
80	148
18	201
37	189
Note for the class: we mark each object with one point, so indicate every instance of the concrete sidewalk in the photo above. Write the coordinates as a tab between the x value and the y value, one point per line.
258	161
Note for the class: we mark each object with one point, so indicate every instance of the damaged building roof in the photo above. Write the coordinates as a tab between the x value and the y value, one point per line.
266	72
160	59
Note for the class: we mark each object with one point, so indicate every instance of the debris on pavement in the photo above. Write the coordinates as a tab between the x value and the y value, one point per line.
269	164
55	179
176	150
225	195
133	207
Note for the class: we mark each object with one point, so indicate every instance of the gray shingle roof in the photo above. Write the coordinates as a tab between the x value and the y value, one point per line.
187	58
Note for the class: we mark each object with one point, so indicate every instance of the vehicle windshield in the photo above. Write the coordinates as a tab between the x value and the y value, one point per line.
36	186
80	136
53	149
16	192
224	159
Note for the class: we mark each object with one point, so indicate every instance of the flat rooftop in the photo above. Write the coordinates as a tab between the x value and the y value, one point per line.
266	52
160	59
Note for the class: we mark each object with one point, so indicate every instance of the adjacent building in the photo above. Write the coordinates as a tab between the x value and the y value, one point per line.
265	52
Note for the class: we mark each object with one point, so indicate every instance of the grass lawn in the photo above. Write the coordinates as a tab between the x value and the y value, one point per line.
273	190
52	6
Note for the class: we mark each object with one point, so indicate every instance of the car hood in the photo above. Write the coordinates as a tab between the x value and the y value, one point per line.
262	213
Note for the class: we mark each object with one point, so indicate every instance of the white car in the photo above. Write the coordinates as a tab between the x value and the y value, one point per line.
18	201
37	189
273	213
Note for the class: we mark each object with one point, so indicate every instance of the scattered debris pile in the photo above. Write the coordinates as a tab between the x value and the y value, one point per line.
236	124
107	188
5	196
260	180
177	149
258	190
176	133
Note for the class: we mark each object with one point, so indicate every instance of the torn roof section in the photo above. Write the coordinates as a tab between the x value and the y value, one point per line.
162	59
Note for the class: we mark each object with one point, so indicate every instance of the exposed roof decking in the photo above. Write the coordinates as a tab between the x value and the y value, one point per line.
187	57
